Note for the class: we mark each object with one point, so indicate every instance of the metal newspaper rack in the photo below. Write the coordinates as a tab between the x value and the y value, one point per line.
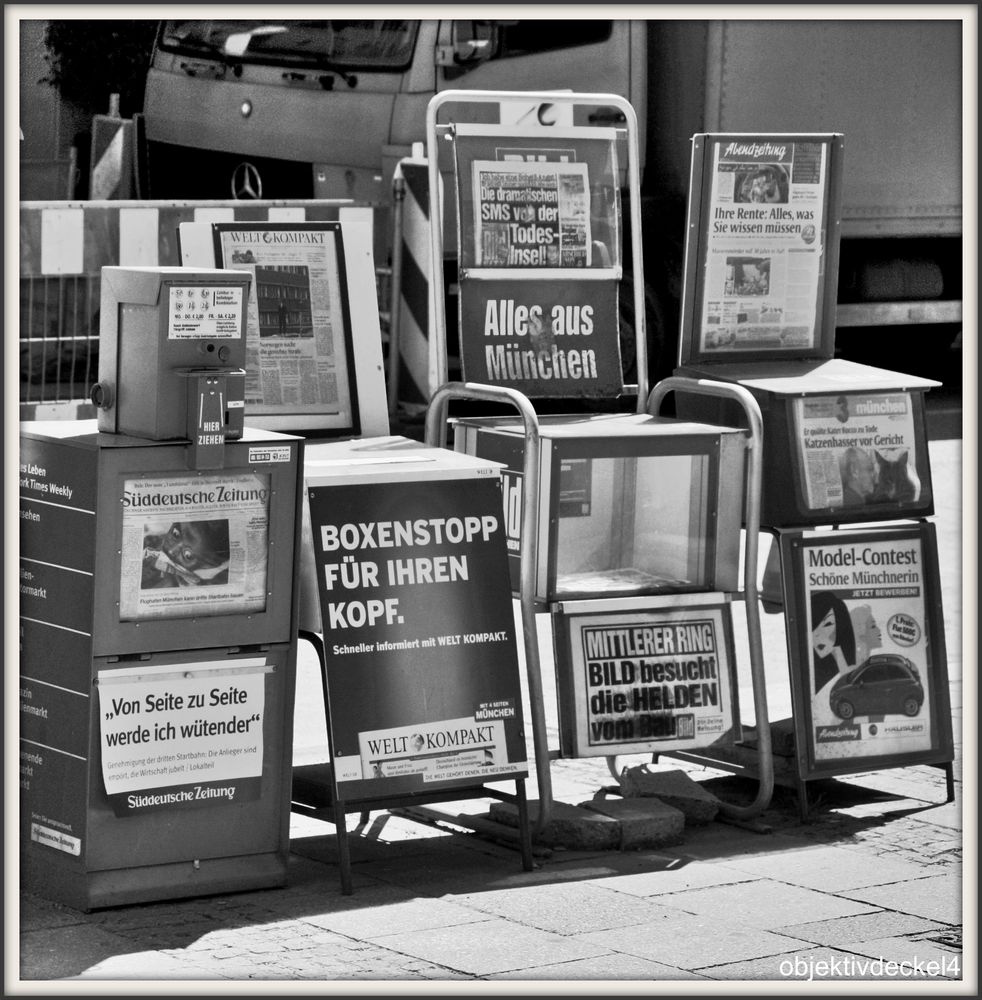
436	435
846	461
436	421
434	132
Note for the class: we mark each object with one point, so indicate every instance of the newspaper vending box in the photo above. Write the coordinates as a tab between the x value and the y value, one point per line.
157	664
845	442
158	554
629	504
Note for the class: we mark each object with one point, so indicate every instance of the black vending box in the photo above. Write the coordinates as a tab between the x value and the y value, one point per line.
842	442
157	664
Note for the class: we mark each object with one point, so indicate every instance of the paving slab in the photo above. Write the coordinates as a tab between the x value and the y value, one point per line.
326	956
323	895
491	946
676	878
619	968
920	958
830	869
150	966
37	913
718	841
569	826
324	848
692	942
439	877
66	951
563	866
672	786
311	953
566	907
946	814
812	965
847	931
643	822
935	897
764	904
373	921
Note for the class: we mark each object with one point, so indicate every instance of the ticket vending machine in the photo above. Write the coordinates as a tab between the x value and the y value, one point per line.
158	616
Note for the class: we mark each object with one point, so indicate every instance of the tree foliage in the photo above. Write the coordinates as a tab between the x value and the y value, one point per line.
89	60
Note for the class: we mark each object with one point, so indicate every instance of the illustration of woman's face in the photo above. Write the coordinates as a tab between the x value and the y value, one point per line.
823	634
865	627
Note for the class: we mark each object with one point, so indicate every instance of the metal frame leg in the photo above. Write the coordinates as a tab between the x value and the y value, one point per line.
802	790
344	854
524	833
949	776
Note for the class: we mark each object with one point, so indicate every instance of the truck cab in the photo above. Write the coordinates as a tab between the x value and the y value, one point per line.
325	109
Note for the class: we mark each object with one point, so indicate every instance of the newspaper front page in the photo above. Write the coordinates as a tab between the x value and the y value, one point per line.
531	214
765	247
194	545
537	198
297	357
857	449
655	680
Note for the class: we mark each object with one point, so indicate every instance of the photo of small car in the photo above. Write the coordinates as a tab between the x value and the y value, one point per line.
884	684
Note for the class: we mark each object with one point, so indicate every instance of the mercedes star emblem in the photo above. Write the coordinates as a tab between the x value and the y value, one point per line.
246	182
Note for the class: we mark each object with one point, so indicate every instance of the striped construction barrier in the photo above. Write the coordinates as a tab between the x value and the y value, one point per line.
413	366
64	246
112	161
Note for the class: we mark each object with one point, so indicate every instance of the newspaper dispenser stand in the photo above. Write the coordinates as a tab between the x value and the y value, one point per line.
758	309
158	616
506	291
307	312
421	687
846	443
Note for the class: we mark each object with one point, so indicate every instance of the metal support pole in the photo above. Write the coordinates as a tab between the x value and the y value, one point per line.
755	440
436	420
395	292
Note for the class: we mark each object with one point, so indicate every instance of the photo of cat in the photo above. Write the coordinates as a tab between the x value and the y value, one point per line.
895	479
877	477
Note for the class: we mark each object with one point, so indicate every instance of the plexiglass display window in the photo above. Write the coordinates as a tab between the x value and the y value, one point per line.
628	505
534	198
630	525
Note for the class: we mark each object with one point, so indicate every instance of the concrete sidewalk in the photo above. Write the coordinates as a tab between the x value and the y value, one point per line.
875	874
868	888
